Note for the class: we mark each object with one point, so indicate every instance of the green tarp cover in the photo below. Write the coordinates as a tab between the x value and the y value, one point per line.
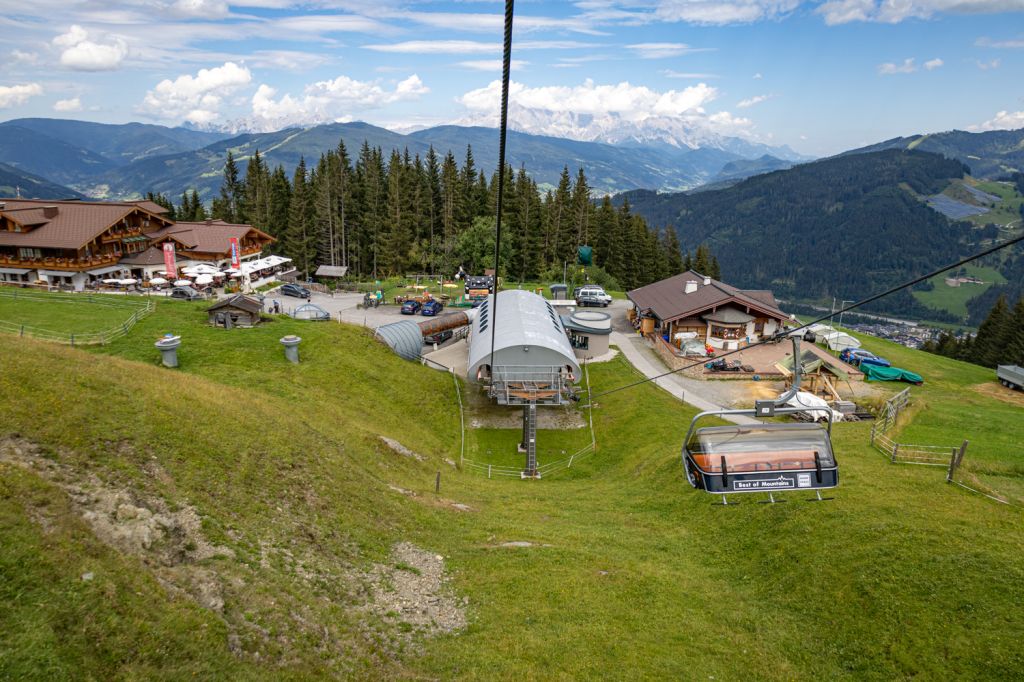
876	373
585	255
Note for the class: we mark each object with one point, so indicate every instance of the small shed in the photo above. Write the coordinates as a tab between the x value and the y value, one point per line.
237	311
558	291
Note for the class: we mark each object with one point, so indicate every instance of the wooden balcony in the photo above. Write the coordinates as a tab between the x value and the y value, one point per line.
57	263
117	235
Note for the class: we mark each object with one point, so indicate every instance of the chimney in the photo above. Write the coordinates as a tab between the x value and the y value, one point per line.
50	211
209	221
707	281
691	286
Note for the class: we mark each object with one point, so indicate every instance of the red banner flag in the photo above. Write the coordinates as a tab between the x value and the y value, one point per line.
236	256
170	264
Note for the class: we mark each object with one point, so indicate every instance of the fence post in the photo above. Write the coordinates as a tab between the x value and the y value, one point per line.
895	451
569	465
72	340
873	426
488	471
954	461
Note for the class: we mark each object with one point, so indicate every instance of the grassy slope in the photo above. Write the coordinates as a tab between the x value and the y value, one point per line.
59	315
900	575
954	299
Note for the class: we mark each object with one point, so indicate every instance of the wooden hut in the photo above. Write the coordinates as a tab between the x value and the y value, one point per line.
237	311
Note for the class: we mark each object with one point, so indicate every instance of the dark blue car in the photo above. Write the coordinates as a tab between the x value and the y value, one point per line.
410	307
877	361
431	308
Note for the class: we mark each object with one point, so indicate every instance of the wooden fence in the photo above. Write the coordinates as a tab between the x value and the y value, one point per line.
908	453
135	310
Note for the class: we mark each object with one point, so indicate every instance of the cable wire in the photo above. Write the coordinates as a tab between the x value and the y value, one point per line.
858	304
506	70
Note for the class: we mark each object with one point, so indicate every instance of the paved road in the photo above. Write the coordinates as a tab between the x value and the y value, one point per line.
686	389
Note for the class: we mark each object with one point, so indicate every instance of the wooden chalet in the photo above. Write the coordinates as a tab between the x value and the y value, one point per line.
72	242
76	243
695	306
210	241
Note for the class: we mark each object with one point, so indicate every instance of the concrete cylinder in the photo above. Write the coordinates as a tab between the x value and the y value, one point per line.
291	347
168	347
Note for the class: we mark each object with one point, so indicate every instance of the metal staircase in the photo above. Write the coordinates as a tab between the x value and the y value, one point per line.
529	444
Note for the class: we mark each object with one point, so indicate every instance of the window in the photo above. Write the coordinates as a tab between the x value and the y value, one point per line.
725	332
26	253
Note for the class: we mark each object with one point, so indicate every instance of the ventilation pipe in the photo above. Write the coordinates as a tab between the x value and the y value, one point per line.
291	347
168	347
691	286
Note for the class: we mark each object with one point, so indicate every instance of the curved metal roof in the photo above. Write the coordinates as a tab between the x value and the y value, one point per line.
524	320
403	337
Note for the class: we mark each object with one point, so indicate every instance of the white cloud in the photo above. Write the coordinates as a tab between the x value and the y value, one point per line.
623	99
751	101
492	64
202	9
66	105
662	50
471	46
1003	120
895	11
82	54
331	100
669	73
721	12
988	66
16	95
1000	44
20	57
891	68
196	99
757	76
933	64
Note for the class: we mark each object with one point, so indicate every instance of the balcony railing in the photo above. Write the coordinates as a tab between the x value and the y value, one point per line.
117	235
59	263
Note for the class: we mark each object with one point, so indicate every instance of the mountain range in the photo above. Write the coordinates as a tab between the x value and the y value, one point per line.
846	226
126	161
989	155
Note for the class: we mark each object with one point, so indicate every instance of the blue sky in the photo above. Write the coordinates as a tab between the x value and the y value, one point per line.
820	77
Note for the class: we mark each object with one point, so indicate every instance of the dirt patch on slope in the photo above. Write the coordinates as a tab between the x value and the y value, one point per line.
412	589
1000	392
168	540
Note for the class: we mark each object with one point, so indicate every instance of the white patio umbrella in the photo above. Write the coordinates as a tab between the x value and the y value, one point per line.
183	283
111	281
158	280
128	281
203	280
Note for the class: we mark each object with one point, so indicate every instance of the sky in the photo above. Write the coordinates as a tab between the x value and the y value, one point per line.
820	77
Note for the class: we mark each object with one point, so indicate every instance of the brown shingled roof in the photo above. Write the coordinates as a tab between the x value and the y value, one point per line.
73	225
206	237
668	299
151	256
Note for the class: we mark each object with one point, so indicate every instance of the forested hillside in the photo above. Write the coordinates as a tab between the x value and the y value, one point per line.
386	215
843	227
15	182
991	154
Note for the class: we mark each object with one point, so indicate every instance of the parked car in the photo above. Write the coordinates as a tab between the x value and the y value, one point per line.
596	288
439	337
411	307
589	297
877	361
853	356
294	290
186	294
431	308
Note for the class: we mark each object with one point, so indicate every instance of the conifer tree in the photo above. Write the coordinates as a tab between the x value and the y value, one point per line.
673	251
300	238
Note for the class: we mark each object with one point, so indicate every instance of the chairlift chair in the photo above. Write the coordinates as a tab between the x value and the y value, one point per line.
762	457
